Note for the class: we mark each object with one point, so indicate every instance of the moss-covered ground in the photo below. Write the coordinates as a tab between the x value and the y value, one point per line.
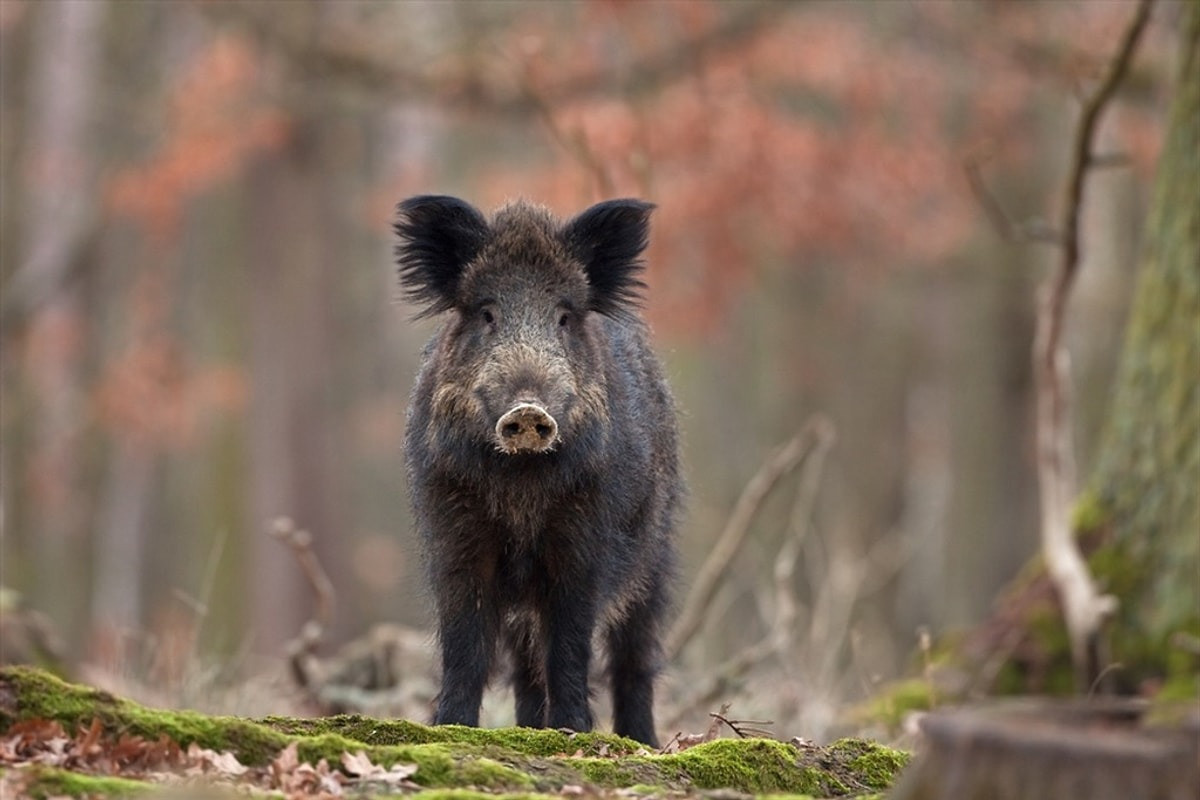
454	762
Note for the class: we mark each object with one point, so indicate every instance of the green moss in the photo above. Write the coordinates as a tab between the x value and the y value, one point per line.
873	765
526	740
44	696
757	766
472	794
439	764
754	766
643	789
1089	513
1045	627
605	771
452	757
486	773
894	701
40	782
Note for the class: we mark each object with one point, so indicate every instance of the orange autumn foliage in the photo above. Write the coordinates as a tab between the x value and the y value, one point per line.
214	122
795	145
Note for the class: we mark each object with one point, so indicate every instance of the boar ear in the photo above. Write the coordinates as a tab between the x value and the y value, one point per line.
438	237
608	239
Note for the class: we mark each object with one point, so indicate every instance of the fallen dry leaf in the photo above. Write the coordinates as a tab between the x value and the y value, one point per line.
206	762
359	764
284	764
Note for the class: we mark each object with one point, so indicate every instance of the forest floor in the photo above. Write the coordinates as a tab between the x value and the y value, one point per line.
59	739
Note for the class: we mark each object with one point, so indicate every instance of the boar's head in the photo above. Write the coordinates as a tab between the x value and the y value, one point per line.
520	361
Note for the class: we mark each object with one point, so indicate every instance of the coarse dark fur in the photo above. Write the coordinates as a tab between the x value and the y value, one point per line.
536	551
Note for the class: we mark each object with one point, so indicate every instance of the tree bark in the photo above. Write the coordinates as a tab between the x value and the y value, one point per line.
1147	481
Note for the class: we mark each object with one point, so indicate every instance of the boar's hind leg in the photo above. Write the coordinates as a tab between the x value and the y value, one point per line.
467	628
528	672
570	618
633	659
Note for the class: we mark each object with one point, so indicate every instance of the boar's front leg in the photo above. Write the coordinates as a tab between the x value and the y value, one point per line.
467	623
633	659
570	617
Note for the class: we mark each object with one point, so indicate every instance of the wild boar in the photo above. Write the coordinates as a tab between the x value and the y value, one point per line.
542	456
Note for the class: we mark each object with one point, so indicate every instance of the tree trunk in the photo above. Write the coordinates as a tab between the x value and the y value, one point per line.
62	168
294	444
1146	486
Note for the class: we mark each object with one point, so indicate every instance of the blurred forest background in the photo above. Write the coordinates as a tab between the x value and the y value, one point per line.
201	328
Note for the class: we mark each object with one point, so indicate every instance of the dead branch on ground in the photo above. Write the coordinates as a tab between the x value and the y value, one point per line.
742	727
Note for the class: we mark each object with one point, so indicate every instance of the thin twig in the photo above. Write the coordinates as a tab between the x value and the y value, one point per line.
741	726
1082	158
667	747
786	607
207	586
302	649
715	727
729	543
999	218
1084	608
1116	666
283	529
574	143
1032	230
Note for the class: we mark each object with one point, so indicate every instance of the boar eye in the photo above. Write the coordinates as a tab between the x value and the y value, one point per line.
563	319
488	316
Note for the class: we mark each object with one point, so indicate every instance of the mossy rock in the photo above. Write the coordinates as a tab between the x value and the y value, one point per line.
455	762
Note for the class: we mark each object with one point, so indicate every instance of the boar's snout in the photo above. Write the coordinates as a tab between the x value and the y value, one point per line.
526	428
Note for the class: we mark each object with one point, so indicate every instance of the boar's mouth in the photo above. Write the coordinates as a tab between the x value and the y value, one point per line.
526	428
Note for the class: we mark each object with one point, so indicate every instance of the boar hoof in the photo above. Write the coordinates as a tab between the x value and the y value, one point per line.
526	428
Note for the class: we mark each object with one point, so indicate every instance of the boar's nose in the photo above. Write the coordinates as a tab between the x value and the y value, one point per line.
526	428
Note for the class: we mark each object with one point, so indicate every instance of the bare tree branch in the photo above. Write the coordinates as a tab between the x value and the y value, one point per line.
1084	608
816	431
1033	230
780	639
353	61
302	649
